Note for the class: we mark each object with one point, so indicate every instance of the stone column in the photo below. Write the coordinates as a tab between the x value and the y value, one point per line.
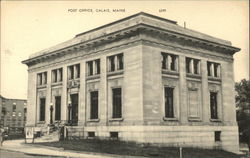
183	90
199	67
116	63
82	95
103	107
169	62
205	92
176	63
64	103
212	69
191	66
75	72
218	70
94	67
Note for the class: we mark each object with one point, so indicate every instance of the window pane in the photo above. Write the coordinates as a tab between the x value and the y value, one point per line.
94	105
42	109
58	108
213	105
169	109
117	103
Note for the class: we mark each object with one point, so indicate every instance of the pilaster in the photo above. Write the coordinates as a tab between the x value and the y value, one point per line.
205	92
82	95
183	89
103	106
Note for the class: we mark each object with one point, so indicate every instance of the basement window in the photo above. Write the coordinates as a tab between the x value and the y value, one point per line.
217	136
114	135
91	134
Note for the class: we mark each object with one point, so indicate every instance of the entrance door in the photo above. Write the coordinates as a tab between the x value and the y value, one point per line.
74	110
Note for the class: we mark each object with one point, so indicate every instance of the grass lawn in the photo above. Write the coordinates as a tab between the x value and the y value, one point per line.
133	149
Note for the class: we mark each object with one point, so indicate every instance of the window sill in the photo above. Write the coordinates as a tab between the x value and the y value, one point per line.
93	120
170	119
42	86
215	120
214	78
56	83
170	72
92	77
197	76
41	122
114	73
194	119
116	119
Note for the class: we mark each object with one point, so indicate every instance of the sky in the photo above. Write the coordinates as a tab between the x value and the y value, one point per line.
30	26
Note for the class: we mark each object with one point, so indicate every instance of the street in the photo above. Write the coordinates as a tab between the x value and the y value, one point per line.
12	154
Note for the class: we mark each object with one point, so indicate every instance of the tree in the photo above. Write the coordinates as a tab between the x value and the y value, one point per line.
243	109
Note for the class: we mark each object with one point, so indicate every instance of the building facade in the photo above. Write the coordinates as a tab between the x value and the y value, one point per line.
142	78
13	115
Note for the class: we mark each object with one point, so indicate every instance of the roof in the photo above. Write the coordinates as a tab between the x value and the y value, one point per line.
139	18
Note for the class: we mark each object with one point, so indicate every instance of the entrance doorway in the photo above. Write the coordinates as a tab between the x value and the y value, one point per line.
73	119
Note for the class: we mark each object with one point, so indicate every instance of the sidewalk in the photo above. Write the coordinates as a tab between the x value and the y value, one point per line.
20	146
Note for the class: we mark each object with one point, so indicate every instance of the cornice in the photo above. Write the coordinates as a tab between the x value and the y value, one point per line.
132	31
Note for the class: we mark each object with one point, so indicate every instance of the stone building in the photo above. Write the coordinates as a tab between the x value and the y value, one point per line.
13	115
142	78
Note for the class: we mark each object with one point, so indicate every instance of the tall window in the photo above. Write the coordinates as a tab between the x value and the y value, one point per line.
192	66
117	103
213	69
58	108
42	78
115	62
93	67
14	107
169	102
57	75
213	105
94	105
74	71
42	109
169	61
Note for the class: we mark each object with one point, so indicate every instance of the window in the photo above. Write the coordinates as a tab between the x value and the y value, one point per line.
192	66
115	62
42	78
114	135
58	108
169	61
213	69
57	75
169	102
91	134
117	103
217	136
42	109
74	71
213	105
120	61
94	105
14	107
93	67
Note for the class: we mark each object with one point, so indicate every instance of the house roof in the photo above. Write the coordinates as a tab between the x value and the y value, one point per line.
133	20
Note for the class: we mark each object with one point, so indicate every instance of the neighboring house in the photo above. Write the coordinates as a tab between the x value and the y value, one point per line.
142	78
13	115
